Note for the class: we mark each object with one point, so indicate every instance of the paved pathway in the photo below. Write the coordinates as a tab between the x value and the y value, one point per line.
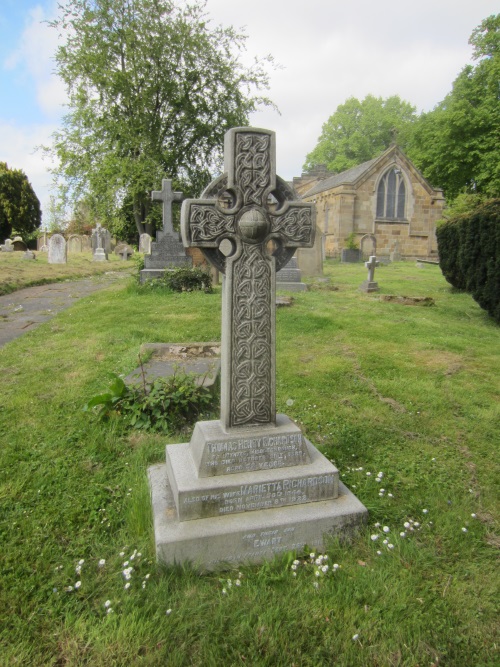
25	309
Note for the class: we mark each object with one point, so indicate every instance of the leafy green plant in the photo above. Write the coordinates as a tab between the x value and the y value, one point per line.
351	242
181	279
163	406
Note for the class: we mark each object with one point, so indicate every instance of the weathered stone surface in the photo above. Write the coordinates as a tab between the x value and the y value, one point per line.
369	285
145	243
249	485
289	279
58	250
227	541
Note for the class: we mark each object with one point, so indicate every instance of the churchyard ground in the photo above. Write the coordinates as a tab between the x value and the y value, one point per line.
404	399
16	272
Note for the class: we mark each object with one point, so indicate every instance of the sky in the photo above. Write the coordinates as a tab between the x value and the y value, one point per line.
328	51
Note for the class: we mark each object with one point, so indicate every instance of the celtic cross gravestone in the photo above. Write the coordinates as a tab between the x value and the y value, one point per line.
249	485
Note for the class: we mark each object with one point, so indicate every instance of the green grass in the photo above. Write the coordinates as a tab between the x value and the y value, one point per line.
16	272
409	391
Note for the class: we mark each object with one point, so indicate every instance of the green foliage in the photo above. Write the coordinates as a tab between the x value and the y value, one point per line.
457	145
469	251
181	279
164	406
351	242
360	130
19	206
152	89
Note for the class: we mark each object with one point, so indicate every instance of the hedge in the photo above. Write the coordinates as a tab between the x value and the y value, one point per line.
469	254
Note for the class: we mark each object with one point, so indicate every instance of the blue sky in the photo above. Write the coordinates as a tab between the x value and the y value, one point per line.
339	49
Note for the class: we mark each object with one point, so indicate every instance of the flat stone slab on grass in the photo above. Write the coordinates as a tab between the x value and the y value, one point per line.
201	359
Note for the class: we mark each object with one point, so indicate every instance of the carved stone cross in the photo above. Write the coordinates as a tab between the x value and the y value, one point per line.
248	241
167	196
370	265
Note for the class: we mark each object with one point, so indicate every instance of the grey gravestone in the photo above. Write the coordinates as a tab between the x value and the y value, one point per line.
369	240
145	244
7	246
101	240
395	254
58	251
29	255
167	252
289	279
100	237
249	485
122	248
369	285
74	243
44	248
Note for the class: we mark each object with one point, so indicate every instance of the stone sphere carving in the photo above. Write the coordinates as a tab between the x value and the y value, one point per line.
253	226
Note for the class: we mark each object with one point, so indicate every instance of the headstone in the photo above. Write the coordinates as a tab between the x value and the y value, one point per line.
29	255
41	241
395	255
310	260
145	244
167	252
19	245
99	239
86	243
249	485
44	248
7	246
369	285
288	278
368	245
74	243
58	250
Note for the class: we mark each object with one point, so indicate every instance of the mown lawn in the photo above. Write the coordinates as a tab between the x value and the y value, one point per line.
404	399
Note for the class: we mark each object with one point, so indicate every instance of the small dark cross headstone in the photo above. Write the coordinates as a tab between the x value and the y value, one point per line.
168	197
236	240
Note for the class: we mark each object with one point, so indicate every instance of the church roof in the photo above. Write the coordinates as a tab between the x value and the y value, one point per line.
344	178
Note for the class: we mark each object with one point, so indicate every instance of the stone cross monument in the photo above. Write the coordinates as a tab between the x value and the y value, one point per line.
369	285
249	485
167	252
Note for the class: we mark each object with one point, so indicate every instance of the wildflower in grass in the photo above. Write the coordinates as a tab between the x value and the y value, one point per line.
102	562
380	475
407	524
312	556
386	529
237	582
125	563
127	586
374	537
78	584
81	561
68	589
316	574
147	576
109	610
473	515
294	574
144	584
224	591
107	603
379	553
377	525
289	402
316	584
127	572
293	566
78	569
324	569
425	511
416	524
122	553
355	637
390	495
240	574
385	542
368	474
336	566
464	530
402	534
390	546
168	612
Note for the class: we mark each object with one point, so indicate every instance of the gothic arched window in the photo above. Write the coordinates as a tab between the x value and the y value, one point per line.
391	196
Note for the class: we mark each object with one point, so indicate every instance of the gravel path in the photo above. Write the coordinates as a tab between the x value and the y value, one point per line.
25	309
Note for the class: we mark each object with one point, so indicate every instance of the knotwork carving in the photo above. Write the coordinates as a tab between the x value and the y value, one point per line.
207	224
253	167
252	340
295	224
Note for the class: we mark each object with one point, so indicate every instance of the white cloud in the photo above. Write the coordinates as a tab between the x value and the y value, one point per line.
34	57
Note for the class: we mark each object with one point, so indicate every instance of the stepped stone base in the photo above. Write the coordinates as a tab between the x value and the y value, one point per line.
369	286
100	255
246	494
288	278
291	287
253	537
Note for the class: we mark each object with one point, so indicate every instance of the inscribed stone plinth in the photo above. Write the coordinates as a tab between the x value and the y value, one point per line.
288	278
249	485
58	250
167	252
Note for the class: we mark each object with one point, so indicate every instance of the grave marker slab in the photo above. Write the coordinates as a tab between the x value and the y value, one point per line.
249	485
369	285
58	250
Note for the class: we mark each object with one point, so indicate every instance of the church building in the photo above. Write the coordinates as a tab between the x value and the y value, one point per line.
386	198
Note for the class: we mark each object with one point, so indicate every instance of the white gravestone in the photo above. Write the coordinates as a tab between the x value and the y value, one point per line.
58	251
249	485
98	234
145	243
369	285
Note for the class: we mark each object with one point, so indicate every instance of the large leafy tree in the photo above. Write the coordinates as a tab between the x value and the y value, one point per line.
457	144
152	89
360	130
19	206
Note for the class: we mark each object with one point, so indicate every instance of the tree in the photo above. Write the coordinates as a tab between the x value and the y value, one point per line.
457	144
359	131
19	206
152	89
